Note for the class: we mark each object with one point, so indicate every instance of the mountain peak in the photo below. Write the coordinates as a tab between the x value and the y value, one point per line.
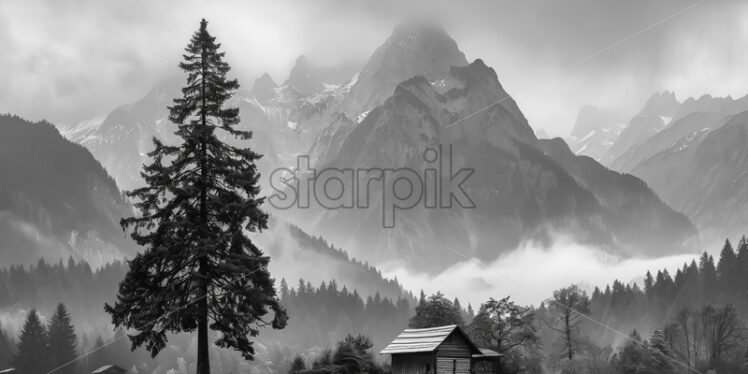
302	60
420	32
413	49
262	89
661	104
304	78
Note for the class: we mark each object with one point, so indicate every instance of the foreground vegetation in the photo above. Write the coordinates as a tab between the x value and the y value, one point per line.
693	320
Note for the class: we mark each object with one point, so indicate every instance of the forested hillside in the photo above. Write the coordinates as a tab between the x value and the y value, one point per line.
56	200
320	314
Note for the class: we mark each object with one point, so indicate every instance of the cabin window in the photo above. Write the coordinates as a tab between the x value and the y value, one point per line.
454	366
428	367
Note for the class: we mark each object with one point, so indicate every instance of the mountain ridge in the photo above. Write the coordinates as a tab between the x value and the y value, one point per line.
517	182
59	202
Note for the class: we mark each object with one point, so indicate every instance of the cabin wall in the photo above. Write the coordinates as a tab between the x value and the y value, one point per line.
454	346
452	365
413	363
453	355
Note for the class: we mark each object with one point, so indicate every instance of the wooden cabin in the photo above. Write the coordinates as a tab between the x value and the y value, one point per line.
437	350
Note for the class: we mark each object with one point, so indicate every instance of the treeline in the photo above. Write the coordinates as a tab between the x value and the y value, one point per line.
43	285
364	277
320	316
693	321
696	316
43	347
663	295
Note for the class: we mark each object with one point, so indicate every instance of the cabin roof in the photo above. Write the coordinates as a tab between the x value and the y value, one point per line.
104	369
487	353
425	340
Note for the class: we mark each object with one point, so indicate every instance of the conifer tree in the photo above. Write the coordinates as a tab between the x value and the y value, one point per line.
62	342
284	289
435	311
726	268
199	269
458	309
708	277
298	365
32	347
648	284
742	268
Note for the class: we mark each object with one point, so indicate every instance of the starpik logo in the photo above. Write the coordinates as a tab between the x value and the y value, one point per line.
436	186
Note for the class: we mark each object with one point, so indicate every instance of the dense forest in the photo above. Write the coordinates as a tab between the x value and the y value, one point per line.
663	295
320	316
692	320
696	317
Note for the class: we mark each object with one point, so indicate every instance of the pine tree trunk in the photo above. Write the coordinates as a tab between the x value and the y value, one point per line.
203	359
203	353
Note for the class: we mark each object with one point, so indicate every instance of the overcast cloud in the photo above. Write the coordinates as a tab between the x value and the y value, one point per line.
69	60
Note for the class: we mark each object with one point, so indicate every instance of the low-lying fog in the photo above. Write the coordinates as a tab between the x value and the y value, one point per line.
531	273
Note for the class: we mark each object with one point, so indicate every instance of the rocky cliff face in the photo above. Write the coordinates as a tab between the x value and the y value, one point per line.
657	112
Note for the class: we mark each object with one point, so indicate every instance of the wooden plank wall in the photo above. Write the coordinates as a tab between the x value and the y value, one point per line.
454	346
452	365
453	355
413	363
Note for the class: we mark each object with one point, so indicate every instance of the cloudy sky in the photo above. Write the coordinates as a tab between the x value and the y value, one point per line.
69	60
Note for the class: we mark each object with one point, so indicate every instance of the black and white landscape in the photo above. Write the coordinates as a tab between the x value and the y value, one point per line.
567	183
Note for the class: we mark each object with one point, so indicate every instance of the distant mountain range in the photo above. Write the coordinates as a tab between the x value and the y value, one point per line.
521	190
657	112
595	131
285	120
418	92
56	200
693	115
668	144
703	173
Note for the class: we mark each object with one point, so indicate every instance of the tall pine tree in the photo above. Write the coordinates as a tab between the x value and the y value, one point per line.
648	285
741	270
199	269
62	342
32	347
709	279
726	269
